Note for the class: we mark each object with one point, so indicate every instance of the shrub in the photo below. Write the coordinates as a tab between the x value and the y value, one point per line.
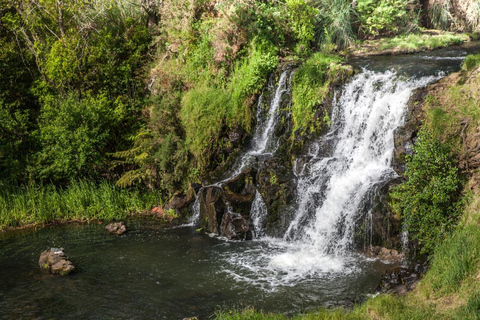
384	16
249	77
429	201
75	135
202	114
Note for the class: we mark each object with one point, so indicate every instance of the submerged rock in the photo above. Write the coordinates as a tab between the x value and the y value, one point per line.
116	227
55	261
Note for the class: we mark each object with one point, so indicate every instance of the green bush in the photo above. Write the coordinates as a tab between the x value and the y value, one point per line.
471	62
249	77
75	135
384	16
430	200
302	19
202	114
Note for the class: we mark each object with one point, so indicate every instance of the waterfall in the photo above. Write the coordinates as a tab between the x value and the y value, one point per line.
334	187
258	214
263	145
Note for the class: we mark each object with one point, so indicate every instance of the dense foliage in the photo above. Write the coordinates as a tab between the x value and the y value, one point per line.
430	200
147	91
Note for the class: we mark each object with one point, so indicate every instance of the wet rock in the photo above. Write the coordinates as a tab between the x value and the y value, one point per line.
225	210
235	227
398	280
276	183
383	253
236	136
116	227
55	261
406	135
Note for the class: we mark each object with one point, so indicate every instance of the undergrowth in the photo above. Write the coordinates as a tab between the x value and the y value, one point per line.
310	86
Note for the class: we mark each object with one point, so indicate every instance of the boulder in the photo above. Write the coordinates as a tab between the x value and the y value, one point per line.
55	261
116	227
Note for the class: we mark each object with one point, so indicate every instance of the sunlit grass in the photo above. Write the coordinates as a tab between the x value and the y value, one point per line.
416	42
81	200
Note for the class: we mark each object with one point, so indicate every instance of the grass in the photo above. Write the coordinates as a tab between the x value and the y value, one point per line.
418	42
471	62
33	204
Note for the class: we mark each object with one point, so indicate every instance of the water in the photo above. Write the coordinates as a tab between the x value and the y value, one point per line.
262	145
151	273
345	169
175	273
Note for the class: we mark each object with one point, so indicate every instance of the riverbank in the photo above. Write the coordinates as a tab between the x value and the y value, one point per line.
81	201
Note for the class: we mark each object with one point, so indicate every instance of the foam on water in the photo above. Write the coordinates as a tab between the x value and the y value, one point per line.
333	188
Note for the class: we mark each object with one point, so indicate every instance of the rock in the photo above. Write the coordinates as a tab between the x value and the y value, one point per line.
55	261
158	211
225	210
116	227
398	280
277	186
383	253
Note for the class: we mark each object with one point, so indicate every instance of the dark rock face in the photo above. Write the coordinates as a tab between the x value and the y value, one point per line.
224	210
116	227
406	135
181	202
276	184
55	261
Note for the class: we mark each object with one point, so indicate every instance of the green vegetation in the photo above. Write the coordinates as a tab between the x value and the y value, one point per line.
417	42
471	62
82	200
311	84
386	17
429	201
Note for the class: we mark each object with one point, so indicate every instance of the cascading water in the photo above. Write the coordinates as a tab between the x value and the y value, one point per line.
263	145
334	186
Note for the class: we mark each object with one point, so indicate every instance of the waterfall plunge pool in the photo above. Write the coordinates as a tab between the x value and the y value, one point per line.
155	273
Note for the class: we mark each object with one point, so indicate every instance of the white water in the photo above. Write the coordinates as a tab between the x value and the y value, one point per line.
263	145
333	187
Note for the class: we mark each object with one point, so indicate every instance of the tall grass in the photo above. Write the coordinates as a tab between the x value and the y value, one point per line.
454	260
81	200
471	62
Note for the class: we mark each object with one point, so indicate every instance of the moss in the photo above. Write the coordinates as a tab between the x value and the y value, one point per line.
310	87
